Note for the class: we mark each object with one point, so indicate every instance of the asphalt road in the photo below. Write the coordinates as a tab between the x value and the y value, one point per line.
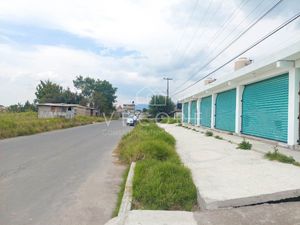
61	177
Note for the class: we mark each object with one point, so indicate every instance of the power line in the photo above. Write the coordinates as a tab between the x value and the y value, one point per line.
233	41
188	46
185	27
244	51
236	27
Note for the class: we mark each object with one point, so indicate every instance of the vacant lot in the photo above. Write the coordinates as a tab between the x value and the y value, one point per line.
19	124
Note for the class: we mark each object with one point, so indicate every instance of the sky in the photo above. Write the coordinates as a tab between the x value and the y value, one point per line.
133	44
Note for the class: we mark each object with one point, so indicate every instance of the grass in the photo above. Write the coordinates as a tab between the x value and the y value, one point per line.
209	133
277	156
161	185
244	145
218	137
20	124
170	120
161	182
121	192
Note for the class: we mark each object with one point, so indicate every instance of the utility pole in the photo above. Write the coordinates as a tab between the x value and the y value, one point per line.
167	79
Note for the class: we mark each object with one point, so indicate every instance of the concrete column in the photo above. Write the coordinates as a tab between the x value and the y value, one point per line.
189	112
293	106
198	111
238	108
213	110
182	112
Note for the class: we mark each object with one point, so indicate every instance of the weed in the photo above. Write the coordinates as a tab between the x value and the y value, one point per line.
277	156
209	133
245	145
218	137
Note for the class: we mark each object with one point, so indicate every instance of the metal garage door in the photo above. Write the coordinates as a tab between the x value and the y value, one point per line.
225	110
193	113
185	112
205	111
265	108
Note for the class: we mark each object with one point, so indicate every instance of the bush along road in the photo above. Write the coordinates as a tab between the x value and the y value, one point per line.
161	181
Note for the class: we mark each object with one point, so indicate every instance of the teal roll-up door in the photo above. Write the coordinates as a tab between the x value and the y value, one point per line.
193	113
205	111
185	112
225	110
265	108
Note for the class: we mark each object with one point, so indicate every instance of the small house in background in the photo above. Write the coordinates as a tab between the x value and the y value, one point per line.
62	110
2	108
129	108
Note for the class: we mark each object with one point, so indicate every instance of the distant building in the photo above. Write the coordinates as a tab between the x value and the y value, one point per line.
2	108
119	110
54	110
129	108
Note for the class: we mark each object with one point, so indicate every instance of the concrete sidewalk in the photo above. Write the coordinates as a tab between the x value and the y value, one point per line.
276	214
262	146
226	176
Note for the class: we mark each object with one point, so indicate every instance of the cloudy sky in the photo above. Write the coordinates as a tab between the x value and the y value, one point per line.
131	43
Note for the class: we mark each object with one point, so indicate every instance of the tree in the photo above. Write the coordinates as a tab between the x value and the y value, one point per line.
48	91
100	94
27	107
160	105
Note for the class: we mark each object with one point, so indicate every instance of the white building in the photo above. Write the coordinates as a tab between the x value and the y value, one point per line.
260	100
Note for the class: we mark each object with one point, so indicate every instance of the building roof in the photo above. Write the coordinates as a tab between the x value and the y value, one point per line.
64	105
288	56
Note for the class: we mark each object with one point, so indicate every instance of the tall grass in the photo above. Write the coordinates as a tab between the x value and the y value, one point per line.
19	124
161	182
170	120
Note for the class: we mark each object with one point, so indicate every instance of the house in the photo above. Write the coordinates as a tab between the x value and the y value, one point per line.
129	108
258	100
53	110
2	108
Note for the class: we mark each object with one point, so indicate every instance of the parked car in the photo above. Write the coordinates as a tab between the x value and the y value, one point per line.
130	121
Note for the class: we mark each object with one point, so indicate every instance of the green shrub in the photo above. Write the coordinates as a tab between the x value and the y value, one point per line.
245	145
163	186
209	133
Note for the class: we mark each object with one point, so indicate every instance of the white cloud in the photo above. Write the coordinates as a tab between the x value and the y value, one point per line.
152	28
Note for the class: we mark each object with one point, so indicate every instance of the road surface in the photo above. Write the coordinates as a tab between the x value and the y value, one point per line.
61	177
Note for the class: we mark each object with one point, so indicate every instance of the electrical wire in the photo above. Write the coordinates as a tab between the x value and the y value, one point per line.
233	41
244	51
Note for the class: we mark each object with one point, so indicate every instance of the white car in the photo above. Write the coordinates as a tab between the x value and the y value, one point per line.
130	121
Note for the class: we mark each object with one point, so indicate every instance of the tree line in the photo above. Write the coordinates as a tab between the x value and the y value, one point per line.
96	93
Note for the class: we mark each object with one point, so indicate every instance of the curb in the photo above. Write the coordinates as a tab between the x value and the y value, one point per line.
125	206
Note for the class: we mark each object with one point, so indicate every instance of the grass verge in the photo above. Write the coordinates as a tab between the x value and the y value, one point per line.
161	181
277	156
20	124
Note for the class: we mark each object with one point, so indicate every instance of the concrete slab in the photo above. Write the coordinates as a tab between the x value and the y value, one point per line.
148	217
226	176
260	145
